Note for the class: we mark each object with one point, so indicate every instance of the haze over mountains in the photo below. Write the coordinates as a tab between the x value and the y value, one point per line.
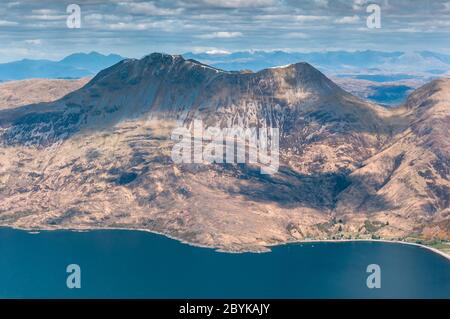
76	65
377	66
382	77
100	158
335	61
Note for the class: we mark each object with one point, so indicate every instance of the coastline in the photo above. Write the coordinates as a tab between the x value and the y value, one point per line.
222	250
386	241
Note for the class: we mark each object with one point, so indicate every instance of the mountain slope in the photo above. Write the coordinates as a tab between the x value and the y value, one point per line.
101	157
17	93
409	178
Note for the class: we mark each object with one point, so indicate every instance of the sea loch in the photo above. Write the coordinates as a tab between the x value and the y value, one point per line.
134	264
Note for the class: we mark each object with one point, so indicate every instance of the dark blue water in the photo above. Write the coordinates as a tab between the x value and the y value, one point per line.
131	264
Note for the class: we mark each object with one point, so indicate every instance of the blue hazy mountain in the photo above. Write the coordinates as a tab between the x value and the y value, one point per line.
73	66
368	61
357	64
93	61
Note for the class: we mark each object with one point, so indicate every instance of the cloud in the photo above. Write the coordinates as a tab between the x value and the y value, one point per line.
348	20
135	27
240	3
97	17
129	26
13	4
446	6
220	35
6	23
296	35
359	4
46	14
44	11
148	8
218	52
309	18
33	41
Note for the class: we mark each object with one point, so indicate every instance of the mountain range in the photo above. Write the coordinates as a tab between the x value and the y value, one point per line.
100	157
76	65
376	66
365	64
382	77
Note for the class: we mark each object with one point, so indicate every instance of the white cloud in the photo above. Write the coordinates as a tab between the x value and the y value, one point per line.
309	18
46	14
5	23
296	35
13	4
164	25
359	4
97	17
220	35
407	30
218	52
148	8
44	11
240	3
129	26
446	6
348	20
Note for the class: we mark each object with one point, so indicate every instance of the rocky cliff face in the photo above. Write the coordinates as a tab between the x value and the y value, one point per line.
100	157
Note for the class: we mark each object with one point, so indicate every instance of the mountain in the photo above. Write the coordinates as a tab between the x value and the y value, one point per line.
100	157
93	61
74	66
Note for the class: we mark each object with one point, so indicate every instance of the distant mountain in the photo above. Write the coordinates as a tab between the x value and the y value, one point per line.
100	157
366	62
74	66
93	62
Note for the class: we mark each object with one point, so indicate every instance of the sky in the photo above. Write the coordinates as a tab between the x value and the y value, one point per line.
133	28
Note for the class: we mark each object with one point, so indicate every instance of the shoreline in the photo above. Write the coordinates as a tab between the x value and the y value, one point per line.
386	241
222	250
